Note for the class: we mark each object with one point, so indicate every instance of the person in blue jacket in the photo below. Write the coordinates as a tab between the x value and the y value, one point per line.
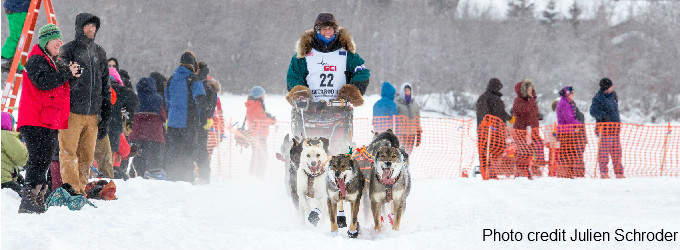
385	109
605	110
184	97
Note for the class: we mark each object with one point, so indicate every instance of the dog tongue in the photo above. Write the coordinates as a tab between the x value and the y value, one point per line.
341	186
386	176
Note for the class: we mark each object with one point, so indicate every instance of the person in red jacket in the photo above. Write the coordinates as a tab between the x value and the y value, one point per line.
525	110
258	121
44	108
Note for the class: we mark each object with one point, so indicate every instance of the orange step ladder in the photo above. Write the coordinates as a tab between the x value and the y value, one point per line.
11	91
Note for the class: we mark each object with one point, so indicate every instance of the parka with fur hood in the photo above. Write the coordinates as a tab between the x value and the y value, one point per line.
525	108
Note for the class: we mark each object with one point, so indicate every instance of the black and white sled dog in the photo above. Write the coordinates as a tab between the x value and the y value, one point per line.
311	180
344	182
290	154
390	181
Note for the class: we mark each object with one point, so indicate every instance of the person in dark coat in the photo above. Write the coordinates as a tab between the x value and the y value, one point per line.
208	107
183	95
605	110
385	109
489	103
525	109
147	133
44	107
90	103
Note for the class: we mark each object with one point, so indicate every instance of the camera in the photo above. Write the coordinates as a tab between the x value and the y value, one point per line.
80	70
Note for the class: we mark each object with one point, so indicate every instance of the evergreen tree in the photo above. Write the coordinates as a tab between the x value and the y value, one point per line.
520	9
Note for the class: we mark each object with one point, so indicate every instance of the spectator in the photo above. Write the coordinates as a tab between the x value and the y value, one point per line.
525	109
208	108
490	103
258	121
216	133
385	109
43	111
409	130
16	11
551	140
147	132
605	110
14	154
570	160
113	63
183	94
90	103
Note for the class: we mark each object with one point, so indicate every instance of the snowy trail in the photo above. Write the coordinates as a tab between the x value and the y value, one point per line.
441	214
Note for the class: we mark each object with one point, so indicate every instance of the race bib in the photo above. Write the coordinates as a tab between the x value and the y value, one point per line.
326	73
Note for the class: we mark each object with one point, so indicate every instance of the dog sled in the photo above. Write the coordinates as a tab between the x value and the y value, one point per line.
326	119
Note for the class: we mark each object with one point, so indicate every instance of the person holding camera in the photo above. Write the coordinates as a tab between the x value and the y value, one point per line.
90	103
43	111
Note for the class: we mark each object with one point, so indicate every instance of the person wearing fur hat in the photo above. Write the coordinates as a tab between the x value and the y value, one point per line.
44	111
14	154
326	65
258	121
605	110
183	96
525	110
568	131
408	128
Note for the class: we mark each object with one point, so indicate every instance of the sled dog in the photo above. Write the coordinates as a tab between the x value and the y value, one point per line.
311	181
390	180
344	182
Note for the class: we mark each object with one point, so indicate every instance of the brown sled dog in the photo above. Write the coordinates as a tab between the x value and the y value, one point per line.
344	182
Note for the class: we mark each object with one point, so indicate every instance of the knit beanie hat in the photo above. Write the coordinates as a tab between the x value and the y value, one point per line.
7	121
605	84
257	92
189	60
325	19
48	33
566	91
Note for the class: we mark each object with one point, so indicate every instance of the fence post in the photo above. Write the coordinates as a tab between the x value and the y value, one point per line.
665	147
488	161
231	136
460	163
597	158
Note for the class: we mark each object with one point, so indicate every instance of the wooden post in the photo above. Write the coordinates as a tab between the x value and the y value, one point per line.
488	161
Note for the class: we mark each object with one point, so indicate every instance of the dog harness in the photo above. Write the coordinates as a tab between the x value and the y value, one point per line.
310	179
388	187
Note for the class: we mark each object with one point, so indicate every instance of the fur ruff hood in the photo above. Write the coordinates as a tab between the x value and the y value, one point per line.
304	44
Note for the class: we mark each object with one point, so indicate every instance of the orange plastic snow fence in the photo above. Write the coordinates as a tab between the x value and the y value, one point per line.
452	147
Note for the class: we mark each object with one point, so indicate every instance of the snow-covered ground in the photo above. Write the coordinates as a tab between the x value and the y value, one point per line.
246	213
237	211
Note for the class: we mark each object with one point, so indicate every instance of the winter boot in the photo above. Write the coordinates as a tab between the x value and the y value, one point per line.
29	200
44	191
314	216
341	219
354	234
6	63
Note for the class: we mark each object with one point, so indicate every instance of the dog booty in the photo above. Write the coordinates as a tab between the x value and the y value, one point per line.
314	216
342	221
354	234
